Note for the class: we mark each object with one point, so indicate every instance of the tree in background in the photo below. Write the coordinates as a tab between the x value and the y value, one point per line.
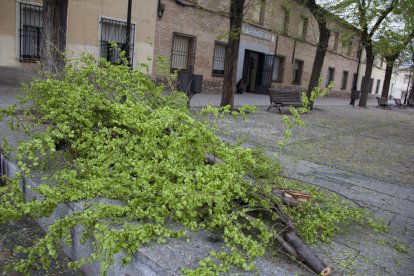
236	14
320	15
395	44
54	35
394	39
369	16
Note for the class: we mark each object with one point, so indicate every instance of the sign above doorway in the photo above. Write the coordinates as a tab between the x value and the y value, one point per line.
259	33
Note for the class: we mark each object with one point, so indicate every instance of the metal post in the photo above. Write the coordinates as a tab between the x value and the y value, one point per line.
128	34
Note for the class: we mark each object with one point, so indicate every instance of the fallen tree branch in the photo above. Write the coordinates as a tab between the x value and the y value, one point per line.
290	242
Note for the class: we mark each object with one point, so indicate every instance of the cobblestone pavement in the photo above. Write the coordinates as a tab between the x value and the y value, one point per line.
364	155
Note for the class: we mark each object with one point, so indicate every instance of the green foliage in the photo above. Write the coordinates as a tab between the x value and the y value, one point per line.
133	160
320	218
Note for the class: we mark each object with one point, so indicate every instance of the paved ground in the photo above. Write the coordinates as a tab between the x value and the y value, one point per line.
364	155
263	100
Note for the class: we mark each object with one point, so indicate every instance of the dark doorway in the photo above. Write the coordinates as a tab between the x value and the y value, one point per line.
257	71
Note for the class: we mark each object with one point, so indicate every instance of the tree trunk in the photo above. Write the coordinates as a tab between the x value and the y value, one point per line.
232	52
54	35
324	34
388	74
368	71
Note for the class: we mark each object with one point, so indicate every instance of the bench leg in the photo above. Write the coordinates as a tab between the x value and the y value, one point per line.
279	108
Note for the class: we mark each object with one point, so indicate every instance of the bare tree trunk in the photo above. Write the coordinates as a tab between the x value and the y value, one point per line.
368	71
54	35
324	34
388	74
232	52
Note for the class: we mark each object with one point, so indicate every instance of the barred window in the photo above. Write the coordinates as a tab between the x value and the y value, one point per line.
30	32
183	52
219	58
114	31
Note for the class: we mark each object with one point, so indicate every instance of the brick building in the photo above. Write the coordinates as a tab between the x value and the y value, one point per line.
91	25
277	48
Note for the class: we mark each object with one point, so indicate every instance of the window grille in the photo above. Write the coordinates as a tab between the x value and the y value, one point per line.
30	32
183	52
114	31
219	58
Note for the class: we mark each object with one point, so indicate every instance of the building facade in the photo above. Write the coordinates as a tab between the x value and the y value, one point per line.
401	83
91	25
277	47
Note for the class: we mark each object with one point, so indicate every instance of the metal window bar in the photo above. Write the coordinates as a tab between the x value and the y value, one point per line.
114	31
30	32
219	58
183	52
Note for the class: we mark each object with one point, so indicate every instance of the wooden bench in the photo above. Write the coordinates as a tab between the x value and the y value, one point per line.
382	102
398	103
281	98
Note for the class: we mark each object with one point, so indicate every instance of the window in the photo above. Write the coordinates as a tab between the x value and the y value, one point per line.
262	12
344	80
219	58
286	18
183	52
371	85
30	32
297	72
336	41
303	28
354	81
378	87
331	75
257	12
278	68
114	31
349	51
